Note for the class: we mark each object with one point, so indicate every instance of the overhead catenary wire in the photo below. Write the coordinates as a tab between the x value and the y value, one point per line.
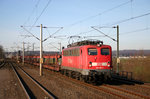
93	16
124	33
53	34
30	33
50	36
93	36
104	34
42	12
35	7
90	17
131	8
129	19
130	32
138	30
54	46
37	18
84	32
121	21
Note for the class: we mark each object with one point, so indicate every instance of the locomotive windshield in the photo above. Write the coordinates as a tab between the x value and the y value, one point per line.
105	51
92	51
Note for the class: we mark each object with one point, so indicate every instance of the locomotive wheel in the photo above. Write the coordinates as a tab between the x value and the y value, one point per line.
76	76
81	78
69	74
100	79
73	75
86	79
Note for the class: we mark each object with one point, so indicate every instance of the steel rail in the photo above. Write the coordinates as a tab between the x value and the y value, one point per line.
147	84
92	86
130	92
39	85
20	81
1	65
104	90
143	86
50	95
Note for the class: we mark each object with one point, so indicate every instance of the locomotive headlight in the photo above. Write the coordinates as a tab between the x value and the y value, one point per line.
108	64
90	64
98	44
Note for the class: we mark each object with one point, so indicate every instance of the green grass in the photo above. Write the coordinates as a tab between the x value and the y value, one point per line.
139	66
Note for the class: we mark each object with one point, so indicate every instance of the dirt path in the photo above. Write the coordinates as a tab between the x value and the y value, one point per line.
9	85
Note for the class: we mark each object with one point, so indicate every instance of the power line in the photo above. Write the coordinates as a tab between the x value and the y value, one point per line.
37	19
41	13
125	20
108	10
93	36
35	7
124	33
104	34
30	33
130	32
138	30
53	34
84	32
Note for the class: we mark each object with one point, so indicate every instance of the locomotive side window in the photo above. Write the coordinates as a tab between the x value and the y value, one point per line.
105	51
64	53
71	52
77	52
92	51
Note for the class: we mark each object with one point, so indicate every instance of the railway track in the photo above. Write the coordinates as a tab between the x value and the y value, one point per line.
147	85
97	88
126	92
108	89
31	87
2	64
144	86
120	93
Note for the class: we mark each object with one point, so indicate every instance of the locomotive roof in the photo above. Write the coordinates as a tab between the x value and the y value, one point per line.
86	42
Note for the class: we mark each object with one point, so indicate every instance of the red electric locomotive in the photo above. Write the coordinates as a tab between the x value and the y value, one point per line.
88	60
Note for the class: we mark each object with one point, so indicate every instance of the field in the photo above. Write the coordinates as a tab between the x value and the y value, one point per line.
139	66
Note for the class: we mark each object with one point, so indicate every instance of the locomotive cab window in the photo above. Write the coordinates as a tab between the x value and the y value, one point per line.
105	51
92	51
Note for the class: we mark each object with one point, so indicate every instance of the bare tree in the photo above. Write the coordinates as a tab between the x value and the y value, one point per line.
2	55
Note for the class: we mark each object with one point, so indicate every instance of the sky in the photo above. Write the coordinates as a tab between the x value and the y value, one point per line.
76	17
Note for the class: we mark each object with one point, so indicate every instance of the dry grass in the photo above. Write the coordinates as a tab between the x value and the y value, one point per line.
139	66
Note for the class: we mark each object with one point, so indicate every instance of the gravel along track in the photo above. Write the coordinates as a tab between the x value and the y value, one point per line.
65	87
134	91
32	88
10	87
